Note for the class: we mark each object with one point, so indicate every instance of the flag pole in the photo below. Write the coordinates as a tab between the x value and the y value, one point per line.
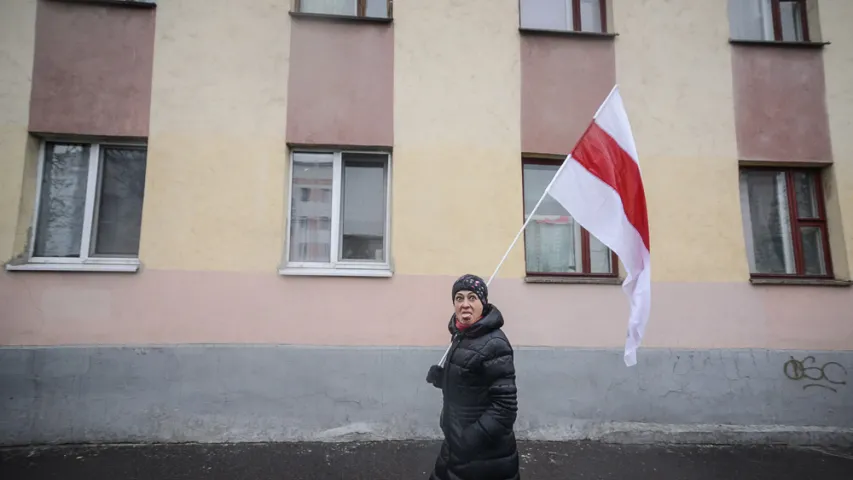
524	226
514	241
530	217
548	188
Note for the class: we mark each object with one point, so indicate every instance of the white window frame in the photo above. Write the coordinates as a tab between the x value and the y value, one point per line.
344	268
85	262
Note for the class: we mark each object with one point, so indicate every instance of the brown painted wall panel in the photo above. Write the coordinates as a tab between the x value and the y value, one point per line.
780	104
563	81
92	69
341	87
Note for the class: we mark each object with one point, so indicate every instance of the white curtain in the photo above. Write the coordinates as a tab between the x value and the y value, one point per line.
552	247
600	258
311	208
63	201
746	218
767	222
784	219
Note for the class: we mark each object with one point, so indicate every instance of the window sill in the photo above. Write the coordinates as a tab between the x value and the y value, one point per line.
567	33
774	43
572	280
129	3
339	272
346	18
805	282
125	266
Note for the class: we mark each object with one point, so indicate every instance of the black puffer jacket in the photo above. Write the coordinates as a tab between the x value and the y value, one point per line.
480	404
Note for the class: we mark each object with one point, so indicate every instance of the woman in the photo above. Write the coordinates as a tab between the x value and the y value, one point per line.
478	383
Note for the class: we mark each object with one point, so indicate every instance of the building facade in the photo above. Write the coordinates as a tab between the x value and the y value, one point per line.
240	221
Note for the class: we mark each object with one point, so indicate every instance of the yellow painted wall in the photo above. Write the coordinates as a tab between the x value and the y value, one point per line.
17	46
217	166
215	186
835	17
457	108
673	63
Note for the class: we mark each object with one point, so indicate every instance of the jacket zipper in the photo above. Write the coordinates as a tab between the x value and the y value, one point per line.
454	343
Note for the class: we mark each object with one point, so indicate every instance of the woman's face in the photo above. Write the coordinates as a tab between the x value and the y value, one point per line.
468	307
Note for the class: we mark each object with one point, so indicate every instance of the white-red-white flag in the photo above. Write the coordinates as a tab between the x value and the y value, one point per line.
601	187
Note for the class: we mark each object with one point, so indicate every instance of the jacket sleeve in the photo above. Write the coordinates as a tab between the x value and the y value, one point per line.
499	418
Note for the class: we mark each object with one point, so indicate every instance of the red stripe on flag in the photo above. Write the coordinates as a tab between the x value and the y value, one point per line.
599	153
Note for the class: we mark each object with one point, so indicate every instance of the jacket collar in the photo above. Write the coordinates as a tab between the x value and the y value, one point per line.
492	320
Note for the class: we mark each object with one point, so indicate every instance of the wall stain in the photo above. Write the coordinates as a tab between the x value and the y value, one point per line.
798	370
22	257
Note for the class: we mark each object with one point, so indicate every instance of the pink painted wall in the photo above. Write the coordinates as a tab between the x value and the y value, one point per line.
341	86
172	307
563	81
780	104
92	69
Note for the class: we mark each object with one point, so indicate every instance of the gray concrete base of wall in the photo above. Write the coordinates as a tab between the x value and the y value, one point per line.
248	393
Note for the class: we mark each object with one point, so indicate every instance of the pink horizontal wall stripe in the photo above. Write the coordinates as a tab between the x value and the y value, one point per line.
176	307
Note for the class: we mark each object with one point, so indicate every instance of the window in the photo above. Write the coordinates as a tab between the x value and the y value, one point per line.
349	8
784	222
339	213
779	20
564	15
89	204
554	244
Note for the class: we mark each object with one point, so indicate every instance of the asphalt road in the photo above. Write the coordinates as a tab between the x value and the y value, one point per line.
412	460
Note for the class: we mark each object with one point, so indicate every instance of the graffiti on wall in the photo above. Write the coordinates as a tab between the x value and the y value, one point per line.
829	375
